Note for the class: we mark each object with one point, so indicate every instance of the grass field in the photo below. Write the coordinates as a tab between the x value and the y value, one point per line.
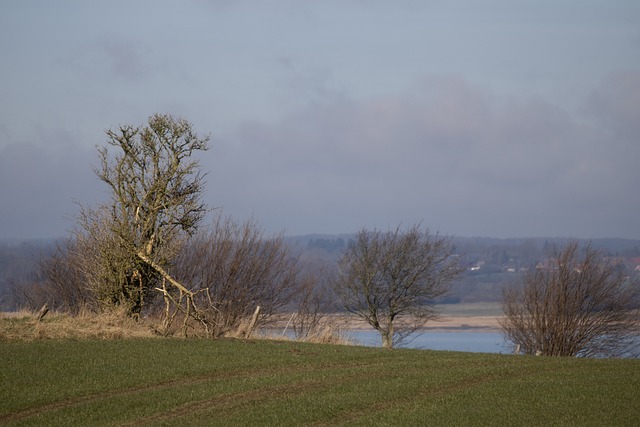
232	382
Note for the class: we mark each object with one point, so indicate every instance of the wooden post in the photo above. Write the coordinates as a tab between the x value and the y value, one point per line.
254	319
288	323
43	311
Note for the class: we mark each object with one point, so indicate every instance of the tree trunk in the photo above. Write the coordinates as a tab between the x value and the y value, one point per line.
387	338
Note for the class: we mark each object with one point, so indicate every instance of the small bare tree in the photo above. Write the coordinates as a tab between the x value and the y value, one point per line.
64	278
58	280
391	279
576	304
311	320
232	268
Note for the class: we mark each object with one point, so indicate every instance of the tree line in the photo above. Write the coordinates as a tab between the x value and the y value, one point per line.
146	252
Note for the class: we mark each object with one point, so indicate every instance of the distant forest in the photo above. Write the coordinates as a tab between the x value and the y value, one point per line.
490	263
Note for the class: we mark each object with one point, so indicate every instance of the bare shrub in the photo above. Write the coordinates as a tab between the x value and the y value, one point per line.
232	268
63	280
577	304
314	304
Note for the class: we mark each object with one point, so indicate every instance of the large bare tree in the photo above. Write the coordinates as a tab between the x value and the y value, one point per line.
575	304
391	279
156	188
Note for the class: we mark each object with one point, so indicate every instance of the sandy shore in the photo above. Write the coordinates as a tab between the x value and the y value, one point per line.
444	323
484	323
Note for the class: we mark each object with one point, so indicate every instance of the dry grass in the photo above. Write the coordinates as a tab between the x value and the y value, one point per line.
325	336
328	335
330	330
24	326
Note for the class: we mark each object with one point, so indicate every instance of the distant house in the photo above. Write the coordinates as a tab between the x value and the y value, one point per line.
477	266
545	265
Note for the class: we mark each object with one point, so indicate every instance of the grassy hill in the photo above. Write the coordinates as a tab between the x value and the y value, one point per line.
232	382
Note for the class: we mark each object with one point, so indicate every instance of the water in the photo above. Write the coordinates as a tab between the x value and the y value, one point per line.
470	341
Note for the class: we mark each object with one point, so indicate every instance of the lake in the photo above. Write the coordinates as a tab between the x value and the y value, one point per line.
471	341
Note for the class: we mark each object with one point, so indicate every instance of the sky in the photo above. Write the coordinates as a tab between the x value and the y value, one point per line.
498	118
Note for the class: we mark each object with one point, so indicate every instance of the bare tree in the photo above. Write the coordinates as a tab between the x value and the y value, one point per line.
233	268
64	279
57	280
311	320
391	279
30	292
576	304
155	198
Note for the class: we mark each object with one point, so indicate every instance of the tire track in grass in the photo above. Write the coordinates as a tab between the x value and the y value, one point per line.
215	376
437	390
225	404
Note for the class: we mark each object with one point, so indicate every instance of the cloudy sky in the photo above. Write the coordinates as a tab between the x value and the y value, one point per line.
495	118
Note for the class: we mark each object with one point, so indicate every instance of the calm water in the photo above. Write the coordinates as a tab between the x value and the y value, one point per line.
477	342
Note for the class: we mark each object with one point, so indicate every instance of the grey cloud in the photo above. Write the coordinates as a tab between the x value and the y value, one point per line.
112	58
461	159
616	104
456	156
126	59
307	82
38	186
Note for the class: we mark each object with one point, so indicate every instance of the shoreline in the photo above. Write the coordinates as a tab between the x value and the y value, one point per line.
347	322
466	323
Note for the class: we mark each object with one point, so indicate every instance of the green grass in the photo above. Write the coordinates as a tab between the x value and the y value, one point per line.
231	382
